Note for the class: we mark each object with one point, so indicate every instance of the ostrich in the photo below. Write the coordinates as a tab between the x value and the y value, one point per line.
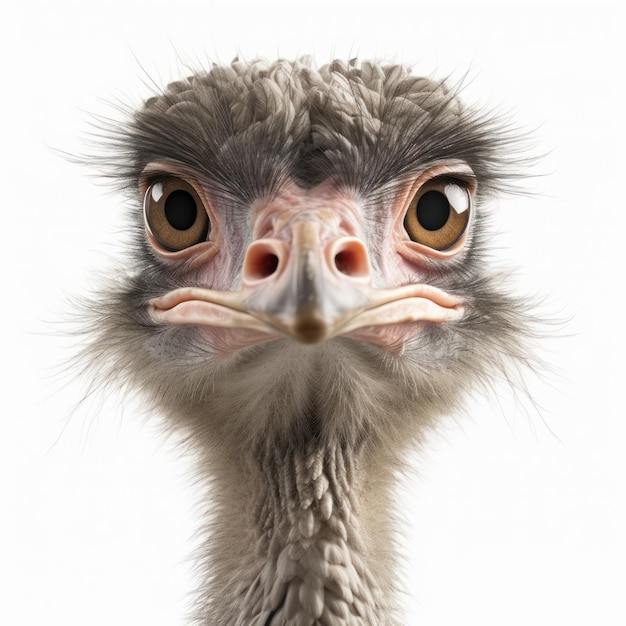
305	293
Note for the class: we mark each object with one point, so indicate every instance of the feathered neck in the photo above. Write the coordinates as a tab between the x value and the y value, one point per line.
306	552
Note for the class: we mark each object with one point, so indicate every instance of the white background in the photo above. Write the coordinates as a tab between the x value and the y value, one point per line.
516	517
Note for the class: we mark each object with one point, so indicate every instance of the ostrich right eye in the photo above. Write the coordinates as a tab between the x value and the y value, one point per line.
174	214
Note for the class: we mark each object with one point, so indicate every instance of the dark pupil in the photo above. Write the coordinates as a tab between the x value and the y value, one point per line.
181	210
433	210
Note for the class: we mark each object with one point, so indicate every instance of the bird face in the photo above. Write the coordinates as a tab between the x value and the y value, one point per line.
306	274
308	237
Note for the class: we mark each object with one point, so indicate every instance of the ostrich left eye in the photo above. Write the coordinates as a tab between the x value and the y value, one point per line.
175	215
439	213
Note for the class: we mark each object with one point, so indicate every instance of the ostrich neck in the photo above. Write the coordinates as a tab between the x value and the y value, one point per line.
308	553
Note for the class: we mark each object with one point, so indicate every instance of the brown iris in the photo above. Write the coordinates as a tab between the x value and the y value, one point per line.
175	215
439	213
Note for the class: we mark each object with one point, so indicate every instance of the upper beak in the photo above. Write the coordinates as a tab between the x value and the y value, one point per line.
309	287
315	287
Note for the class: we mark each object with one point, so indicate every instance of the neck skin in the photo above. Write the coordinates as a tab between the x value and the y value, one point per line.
297	539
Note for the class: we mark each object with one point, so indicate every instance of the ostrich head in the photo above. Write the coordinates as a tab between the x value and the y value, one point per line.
307	290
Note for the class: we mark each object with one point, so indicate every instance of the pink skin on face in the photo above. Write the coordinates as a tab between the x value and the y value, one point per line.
307	274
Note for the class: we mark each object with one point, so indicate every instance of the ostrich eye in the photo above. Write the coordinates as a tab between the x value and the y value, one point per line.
175	215
439	213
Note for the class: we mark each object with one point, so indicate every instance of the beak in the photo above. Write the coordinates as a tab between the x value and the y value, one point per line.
315	288
309	287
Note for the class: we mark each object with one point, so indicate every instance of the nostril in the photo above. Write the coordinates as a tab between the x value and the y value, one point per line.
267	265
351	259
261	261
345	262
